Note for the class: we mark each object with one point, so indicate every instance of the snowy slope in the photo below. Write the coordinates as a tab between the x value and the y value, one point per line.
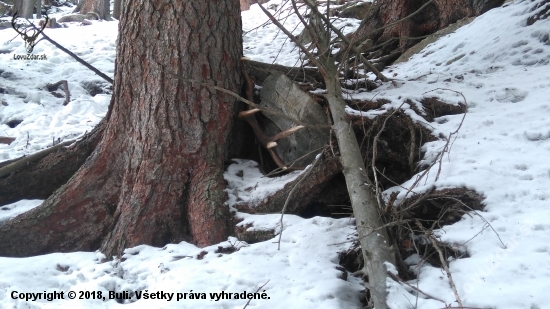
24	86
500	64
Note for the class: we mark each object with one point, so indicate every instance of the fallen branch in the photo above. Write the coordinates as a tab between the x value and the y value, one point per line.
248	302
396	278
75	57
430	236
377	250
55	86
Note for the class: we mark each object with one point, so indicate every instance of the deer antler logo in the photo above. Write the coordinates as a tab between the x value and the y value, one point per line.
28	35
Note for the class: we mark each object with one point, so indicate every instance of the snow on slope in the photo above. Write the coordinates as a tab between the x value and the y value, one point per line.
499	63
23	82
502	66
301	275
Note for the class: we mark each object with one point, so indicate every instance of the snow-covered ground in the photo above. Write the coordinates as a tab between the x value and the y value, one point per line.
498	62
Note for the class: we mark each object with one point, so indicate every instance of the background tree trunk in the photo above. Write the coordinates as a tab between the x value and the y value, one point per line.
435	16
25	8
116	9
156	176
17	6
38	9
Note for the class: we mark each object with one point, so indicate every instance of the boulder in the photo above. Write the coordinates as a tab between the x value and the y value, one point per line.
281	94
78	17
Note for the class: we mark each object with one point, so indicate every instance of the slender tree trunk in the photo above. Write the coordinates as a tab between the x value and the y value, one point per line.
156	176
376	246
27	8
116	9
38	9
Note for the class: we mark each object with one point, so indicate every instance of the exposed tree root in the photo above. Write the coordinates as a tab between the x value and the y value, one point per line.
442	207
434	108
39	178
326	169
395	155
432	210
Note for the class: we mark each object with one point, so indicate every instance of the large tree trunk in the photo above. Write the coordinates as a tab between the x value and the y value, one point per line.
100	7
156	176
433	17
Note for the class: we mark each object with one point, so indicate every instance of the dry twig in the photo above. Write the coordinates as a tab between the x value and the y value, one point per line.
302	177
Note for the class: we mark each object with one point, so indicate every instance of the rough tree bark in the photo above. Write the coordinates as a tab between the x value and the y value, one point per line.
156	175
437	15
100	7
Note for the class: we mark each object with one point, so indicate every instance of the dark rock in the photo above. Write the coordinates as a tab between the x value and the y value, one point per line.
93	87
78	17
253	236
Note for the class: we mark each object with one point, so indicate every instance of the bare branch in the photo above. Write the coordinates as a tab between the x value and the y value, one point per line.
369	65
68	52
430	236
302	177
258	290
294	40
